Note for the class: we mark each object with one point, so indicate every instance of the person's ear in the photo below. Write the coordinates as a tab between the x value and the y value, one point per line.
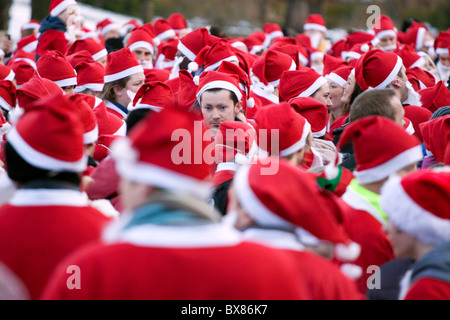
118	91
237	107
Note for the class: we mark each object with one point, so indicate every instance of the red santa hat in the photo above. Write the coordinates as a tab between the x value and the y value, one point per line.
105	26
442	42
155	95
7	95
281	119
186	96
273	30
384	27
417	115
35	89
108	123
299	83
235	142
436	136
315	22
315	112
167	54
210	57
53	65
179	23
269	67
23	70
28	43
218	80
163	30
90	75
6	73
87	116
376	135
57	145
420	78
295	51
331	63
130	25
58	6
407	202
31	25
377	69
414	35
434	97
340	75
141	38
156	74
147	155
80	56
96	49
411	58
263	197
244	82
121	64
356	51
191	44
255	42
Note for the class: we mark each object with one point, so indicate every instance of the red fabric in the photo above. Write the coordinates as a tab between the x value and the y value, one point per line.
428	289
33	240
376	248
107	269
52	40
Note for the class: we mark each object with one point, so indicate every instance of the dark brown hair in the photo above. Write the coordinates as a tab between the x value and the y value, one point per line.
108	89
376	102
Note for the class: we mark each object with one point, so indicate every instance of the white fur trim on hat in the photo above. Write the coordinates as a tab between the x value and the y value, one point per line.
98	87
108	28
91	136
129	167
31	47
411	218
384	170
320	133
350	54
222	85
442	51
10	76
336	78
386	33
166	35
142	44
419	38
41	160
102	53
5	105
184	50
299	144
314	26
123	74
66	82
314	87
61	7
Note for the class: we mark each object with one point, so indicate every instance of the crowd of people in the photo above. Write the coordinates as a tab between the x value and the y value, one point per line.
155	161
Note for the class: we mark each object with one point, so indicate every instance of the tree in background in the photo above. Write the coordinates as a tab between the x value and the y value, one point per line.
4	13
39	9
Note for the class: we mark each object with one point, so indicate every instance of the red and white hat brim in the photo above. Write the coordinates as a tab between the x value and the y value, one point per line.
300	144
314	26
222	85
392	74
102	53
61	7
141	44
411	218
91	136
384	170
314	87
123	74
41	160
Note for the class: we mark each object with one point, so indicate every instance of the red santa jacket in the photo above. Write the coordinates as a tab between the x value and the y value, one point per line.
142	260
39	227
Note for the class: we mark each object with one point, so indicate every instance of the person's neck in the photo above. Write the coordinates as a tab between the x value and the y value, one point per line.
375	187
420	249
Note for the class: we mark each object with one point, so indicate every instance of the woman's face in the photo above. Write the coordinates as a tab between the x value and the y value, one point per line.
348	89
336	92
133	85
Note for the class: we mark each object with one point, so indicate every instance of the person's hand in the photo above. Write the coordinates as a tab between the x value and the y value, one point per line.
326	149
6	45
